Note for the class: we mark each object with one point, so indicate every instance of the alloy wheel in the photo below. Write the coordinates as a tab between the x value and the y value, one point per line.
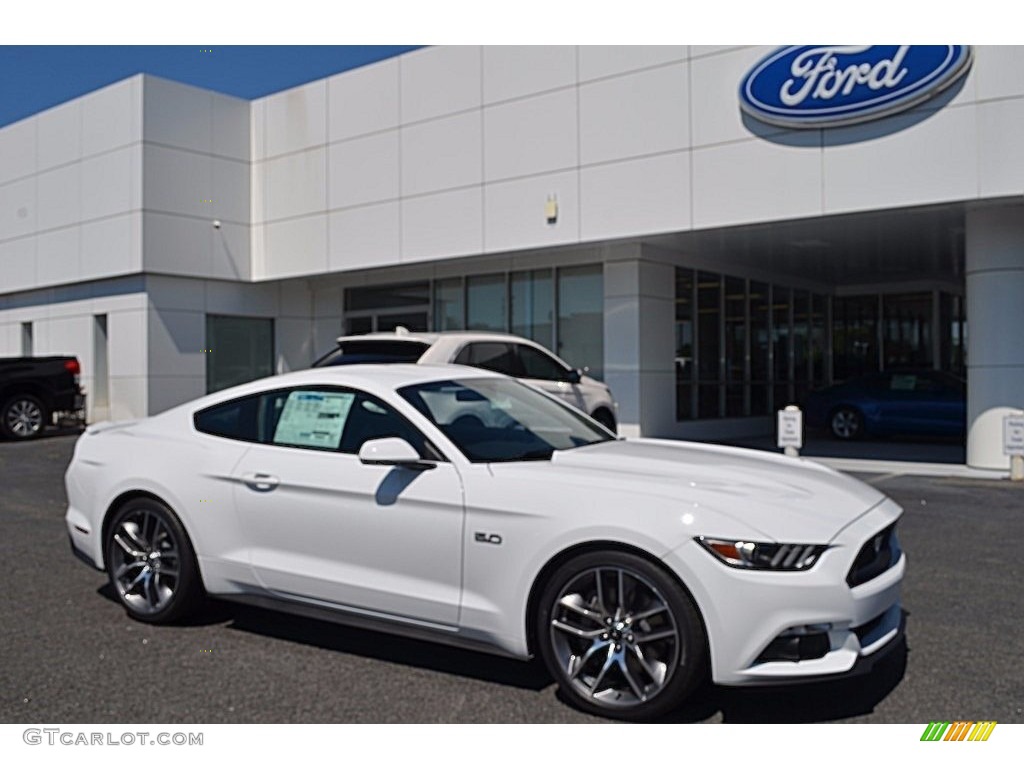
145	559
24	418
615	637
846	423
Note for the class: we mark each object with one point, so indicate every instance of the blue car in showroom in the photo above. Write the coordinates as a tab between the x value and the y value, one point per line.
914	402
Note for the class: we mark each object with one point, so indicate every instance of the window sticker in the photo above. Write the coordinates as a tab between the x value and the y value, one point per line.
314	419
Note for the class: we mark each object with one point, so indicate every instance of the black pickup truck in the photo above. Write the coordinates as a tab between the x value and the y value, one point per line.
35	389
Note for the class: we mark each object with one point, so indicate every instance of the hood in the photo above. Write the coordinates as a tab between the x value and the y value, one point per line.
788	500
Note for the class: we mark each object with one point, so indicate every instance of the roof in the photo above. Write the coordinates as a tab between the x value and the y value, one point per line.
433	337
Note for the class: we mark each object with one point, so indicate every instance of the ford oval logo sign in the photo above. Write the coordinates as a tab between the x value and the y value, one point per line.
818	86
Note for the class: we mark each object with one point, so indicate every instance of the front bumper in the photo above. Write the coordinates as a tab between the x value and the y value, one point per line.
745	611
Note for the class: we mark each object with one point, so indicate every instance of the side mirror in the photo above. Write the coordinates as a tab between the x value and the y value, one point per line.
392	452
575	376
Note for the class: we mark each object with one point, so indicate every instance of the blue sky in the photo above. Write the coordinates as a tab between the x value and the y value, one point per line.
34	78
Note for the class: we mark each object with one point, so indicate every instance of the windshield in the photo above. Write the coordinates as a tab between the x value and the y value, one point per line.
501	419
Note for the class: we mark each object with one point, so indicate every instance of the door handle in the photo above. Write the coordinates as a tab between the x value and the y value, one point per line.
259	481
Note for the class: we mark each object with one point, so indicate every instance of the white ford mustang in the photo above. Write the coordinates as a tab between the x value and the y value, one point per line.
464	506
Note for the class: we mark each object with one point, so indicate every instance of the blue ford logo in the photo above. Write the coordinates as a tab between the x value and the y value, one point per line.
817	86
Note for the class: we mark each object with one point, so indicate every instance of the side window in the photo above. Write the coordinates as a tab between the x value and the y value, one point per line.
236	420
491	356
312	419
371	419
540	365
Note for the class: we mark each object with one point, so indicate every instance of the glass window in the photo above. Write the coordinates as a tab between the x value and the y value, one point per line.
819	340
502	420
240	349
373	351
952	332
372	419
801	343
709	344
533	305
581	318
907	330
535	364
854	336
782	392
387	296
485	303
449	305
236	420
760	309
489	355
684	362
735	346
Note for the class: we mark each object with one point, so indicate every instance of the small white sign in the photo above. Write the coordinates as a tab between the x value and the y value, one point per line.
1013	435
791	427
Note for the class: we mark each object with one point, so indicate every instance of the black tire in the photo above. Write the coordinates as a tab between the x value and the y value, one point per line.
603	417
154	588
846	423
608	676
23	417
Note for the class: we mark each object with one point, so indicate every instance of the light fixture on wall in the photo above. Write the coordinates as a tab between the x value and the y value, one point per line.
551	209
216	223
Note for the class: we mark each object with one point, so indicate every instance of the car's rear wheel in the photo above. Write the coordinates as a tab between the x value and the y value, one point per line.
846	423
620	636
23	417
151	563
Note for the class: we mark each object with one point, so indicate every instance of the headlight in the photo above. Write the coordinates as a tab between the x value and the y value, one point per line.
754	555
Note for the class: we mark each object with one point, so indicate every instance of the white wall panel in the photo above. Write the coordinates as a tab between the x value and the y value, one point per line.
530	136
295	247
168	391
293	344
17	150
18	264
367	236
18	208
786	184
126	337
111	183
296	119
295	185
922	161
514	212
59	197
604	60
227	298
697	51
715	82
363	100
176	244
637	114
363	170
176	114
513	71
1000	149
439	81
294	299
636	197
998	71
229	190
176	340
229	129
110	246
112	117
59	133
258	129
128	397
441	154
176	181
57	256
441	225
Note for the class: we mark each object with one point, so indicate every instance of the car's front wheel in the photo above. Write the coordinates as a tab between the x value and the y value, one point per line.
620	636
151	563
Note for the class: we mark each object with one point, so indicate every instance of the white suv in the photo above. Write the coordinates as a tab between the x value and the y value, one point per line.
501	352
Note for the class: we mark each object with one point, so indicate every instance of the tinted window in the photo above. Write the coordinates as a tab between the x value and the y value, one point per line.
540	365
238	419
372	351
490	355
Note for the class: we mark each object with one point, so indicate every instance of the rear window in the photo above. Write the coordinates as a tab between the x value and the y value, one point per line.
373	351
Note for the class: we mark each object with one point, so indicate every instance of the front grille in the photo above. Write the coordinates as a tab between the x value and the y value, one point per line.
879	553
866	629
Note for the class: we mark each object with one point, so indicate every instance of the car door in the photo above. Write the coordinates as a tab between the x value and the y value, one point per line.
542	370
323	526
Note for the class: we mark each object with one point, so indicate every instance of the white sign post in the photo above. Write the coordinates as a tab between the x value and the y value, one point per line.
791	430
1013	443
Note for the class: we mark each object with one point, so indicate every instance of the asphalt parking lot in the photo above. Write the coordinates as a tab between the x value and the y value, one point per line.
70	654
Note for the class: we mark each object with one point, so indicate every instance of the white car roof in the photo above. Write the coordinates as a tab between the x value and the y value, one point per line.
431	338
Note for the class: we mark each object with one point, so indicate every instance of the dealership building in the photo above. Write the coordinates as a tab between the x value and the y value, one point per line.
712	230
